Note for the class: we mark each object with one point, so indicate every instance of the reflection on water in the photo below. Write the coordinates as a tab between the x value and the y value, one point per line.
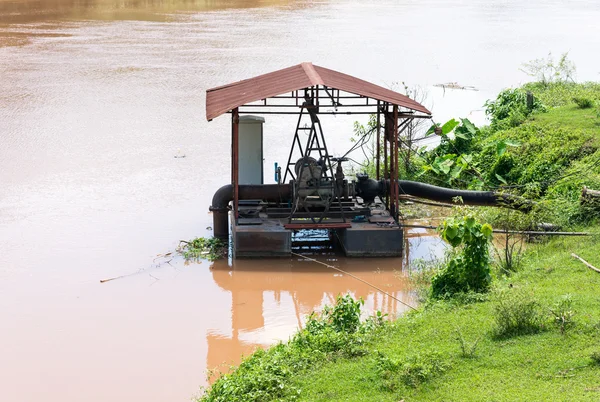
270	299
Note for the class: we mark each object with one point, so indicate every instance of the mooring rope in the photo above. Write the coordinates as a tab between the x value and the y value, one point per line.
355	277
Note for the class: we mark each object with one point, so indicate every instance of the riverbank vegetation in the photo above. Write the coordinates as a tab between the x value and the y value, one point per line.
335	334
210	248
517	323
545	148
535	336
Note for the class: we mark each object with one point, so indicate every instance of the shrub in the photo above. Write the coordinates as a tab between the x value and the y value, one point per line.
595	356
510	108
563	313
411	372
517	313
584	103
467	350
468	268
562	93
344	316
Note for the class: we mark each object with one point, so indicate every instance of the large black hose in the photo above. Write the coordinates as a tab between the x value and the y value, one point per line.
367	189
224	195
448	195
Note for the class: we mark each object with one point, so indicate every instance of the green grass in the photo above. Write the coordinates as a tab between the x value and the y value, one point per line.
559	151
540	367
419	357
559	94
571	117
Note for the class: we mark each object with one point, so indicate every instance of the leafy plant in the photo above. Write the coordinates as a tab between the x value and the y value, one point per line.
452	160
583	103
559	94
563	313
595	356
344	316
517	313
467	350
413	371
468	268
201	247
511	108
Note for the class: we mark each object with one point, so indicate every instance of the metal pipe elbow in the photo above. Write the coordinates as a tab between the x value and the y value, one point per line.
221	199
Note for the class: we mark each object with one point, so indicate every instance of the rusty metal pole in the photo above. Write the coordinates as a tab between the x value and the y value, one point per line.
394	179
235	119
378	139
385	161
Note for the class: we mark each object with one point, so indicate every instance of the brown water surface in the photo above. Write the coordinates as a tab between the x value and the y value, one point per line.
96	99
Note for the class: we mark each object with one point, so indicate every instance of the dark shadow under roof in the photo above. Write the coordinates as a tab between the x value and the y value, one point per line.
222	99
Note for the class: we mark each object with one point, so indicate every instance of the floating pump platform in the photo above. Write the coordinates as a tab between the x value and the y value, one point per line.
264	230
312	194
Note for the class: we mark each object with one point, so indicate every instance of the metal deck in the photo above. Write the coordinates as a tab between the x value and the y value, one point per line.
259	234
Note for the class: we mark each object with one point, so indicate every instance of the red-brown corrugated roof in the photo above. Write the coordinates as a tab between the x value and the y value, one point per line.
222	99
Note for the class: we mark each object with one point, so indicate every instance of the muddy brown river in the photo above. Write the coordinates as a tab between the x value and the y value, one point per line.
96	99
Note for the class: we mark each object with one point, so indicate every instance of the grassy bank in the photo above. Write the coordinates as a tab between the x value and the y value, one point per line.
534	335
420	358
450	350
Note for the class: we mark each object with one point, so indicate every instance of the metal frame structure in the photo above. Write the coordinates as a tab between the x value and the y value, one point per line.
356	97
396	121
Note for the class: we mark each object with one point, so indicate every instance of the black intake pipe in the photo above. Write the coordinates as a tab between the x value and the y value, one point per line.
224	195
367	189
469	197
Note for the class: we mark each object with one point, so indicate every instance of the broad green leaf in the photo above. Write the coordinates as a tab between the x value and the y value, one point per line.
455	242
470	222
445	165
500	148
486	230
469	126
451	232
461	135
456	171
512	143
467	158
449	126
500	178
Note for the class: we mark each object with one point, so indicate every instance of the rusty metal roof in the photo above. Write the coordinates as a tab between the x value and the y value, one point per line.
222	99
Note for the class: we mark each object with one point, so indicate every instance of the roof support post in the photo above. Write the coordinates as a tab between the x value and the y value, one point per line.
378	139
394	170
235	120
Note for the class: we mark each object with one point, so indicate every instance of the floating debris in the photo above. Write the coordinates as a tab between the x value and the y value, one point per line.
456	85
